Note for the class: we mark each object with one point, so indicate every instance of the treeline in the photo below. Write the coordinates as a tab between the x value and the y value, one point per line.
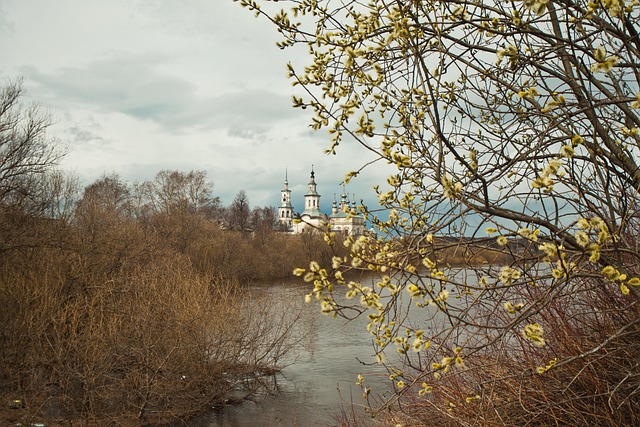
124	302
179	208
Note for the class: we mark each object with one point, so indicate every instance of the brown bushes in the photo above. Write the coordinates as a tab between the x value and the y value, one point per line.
127	303
594	335
108	318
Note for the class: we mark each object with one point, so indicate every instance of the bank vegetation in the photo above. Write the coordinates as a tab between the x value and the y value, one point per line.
126	304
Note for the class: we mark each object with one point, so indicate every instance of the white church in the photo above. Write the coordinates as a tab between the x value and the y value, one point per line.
312	217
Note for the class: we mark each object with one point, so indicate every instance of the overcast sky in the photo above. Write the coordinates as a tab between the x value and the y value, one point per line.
137	86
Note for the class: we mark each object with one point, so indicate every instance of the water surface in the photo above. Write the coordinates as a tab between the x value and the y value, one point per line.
319	382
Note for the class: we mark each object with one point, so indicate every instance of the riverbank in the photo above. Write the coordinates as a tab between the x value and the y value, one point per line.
317	384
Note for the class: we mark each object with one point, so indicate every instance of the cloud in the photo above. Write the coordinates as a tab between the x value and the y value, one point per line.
133	87
230	134
145	85
257	134
84	135
136	88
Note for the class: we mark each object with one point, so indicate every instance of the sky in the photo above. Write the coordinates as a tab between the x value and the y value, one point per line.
138	86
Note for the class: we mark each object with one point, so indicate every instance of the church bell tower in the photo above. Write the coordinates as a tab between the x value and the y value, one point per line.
312	198
285	211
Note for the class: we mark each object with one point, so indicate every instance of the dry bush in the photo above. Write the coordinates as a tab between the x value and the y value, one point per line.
119	324
250	258
125	304
591	372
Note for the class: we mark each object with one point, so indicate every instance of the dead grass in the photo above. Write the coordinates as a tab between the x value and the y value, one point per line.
594	338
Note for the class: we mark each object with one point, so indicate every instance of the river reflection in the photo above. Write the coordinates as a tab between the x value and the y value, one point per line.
320	380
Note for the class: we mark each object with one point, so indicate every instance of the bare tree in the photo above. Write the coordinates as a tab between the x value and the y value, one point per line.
176	203
108	195
513	128
26	153
264	218
30	189
238	212
183	191
59	194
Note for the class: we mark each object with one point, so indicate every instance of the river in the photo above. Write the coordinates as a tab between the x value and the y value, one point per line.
318	383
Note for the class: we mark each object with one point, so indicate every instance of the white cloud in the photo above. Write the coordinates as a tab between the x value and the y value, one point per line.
137	86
